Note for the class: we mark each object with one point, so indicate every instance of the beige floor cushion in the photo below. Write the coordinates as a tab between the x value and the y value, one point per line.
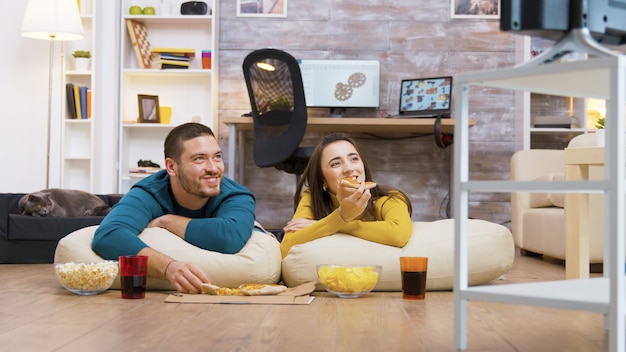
259	261
490	249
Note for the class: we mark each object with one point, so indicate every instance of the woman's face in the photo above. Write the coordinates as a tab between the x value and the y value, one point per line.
340	159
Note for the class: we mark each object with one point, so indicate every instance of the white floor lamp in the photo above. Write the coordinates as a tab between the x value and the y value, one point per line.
52	20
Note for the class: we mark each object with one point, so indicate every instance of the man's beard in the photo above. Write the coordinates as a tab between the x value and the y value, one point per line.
195	187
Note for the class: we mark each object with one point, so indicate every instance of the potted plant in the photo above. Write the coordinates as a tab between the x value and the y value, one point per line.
81	59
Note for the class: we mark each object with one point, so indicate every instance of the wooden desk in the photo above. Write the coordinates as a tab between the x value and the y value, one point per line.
237	125
577	163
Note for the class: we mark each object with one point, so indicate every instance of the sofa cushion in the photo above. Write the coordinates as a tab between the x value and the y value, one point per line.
257	262
490	250
549	199
547	226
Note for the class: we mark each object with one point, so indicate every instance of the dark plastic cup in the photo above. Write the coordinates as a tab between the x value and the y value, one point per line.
413	271
133	275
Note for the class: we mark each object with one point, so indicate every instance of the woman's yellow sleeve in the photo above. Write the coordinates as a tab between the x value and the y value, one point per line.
321	228
394	230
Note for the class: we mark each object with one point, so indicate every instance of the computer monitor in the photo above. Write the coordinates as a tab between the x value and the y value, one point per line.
341	83
551	19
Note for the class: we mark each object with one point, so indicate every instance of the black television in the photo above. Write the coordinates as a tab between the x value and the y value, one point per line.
552	19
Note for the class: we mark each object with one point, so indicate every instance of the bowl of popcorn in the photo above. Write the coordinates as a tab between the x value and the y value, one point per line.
86	278
349	281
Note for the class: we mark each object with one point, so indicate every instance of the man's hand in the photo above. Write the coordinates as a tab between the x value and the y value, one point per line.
186	277
175	224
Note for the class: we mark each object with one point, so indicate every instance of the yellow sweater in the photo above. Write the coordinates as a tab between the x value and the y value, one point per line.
394	230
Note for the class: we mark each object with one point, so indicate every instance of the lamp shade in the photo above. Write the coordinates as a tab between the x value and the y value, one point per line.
52	20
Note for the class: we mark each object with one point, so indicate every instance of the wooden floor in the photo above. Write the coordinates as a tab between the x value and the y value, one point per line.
37	314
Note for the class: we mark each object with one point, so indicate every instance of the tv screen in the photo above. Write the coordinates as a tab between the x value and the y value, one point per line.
341	83
551	19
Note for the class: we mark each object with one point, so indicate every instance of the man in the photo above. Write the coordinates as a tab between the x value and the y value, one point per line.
190	198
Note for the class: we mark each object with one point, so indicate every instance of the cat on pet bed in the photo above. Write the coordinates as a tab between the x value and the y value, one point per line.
62	202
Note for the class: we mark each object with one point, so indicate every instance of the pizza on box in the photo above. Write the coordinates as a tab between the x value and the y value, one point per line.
244	290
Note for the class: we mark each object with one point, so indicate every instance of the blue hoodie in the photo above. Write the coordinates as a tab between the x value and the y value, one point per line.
224	225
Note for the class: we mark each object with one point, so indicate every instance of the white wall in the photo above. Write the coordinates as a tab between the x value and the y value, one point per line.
23	102
24	81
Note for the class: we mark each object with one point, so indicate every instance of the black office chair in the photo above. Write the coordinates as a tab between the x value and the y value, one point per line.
279	110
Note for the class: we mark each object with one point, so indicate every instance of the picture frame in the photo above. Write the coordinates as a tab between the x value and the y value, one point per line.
261	8
148	108
475	9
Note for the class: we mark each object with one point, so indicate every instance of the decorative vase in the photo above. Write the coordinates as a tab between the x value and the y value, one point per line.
81	64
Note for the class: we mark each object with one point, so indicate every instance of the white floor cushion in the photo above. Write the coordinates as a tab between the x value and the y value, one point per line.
259	261
490	249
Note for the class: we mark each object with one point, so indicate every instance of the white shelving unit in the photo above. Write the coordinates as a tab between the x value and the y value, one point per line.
525	46
192	93
77	144
600	78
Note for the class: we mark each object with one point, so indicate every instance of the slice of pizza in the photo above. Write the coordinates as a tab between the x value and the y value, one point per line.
262	289
244	290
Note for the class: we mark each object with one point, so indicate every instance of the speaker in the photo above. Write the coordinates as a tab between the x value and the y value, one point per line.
194	8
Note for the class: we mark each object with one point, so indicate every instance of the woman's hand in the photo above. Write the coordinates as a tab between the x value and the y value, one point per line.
352	202
298	224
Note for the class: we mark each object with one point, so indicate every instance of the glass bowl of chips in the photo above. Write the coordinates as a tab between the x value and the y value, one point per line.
349	281
86	278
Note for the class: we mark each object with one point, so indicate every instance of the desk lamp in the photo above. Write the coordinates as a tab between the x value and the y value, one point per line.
53	20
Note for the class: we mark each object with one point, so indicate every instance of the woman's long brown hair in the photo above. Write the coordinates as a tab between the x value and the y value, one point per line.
314	179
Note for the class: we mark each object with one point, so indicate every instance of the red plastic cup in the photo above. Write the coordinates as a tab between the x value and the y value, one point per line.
133	274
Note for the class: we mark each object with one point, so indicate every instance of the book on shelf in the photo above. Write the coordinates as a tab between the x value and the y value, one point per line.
79	110
88	103
173	67
83	102
71	104
188	52
170	64
174	57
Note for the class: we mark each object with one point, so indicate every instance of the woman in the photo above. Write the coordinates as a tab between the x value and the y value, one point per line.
380	214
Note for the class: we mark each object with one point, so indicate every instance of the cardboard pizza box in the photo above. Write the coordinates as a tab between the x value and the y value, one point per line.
294	295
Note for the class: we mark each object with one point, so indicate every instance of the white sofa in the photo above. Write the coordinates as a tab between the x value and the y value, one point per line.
538	219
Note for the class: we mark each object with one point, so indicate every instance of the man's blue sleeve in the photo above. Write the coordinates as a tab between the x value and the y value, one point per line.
118	233
228	228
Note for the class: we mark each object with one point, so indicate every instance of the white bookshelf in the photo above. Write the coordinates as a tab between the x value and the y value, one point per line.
77	135
600	78
192	93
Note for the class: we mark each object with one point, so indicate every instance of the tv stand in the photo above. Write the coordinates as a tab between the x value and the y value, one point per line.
576	40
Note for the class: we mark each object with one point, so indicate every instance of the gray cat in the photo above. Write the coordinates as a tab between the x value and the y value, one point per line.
62	202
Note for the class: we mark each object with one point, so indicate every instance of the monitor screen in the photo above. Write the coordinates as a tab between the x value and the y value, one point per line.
551	19
341	83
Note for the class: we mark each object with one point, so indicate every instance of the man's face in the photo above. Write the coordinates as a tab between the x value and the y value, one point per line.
201	167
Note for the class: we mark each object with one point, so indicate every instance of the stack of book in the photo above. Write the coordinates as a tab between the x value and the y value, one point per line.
78	101
172	58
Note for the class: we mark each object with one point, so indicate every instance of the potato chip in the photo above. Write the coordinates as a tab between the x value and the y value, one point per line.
348	279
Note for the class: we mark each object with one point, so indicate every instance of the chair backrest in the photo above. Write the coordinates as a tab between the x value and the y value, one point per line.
276	92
